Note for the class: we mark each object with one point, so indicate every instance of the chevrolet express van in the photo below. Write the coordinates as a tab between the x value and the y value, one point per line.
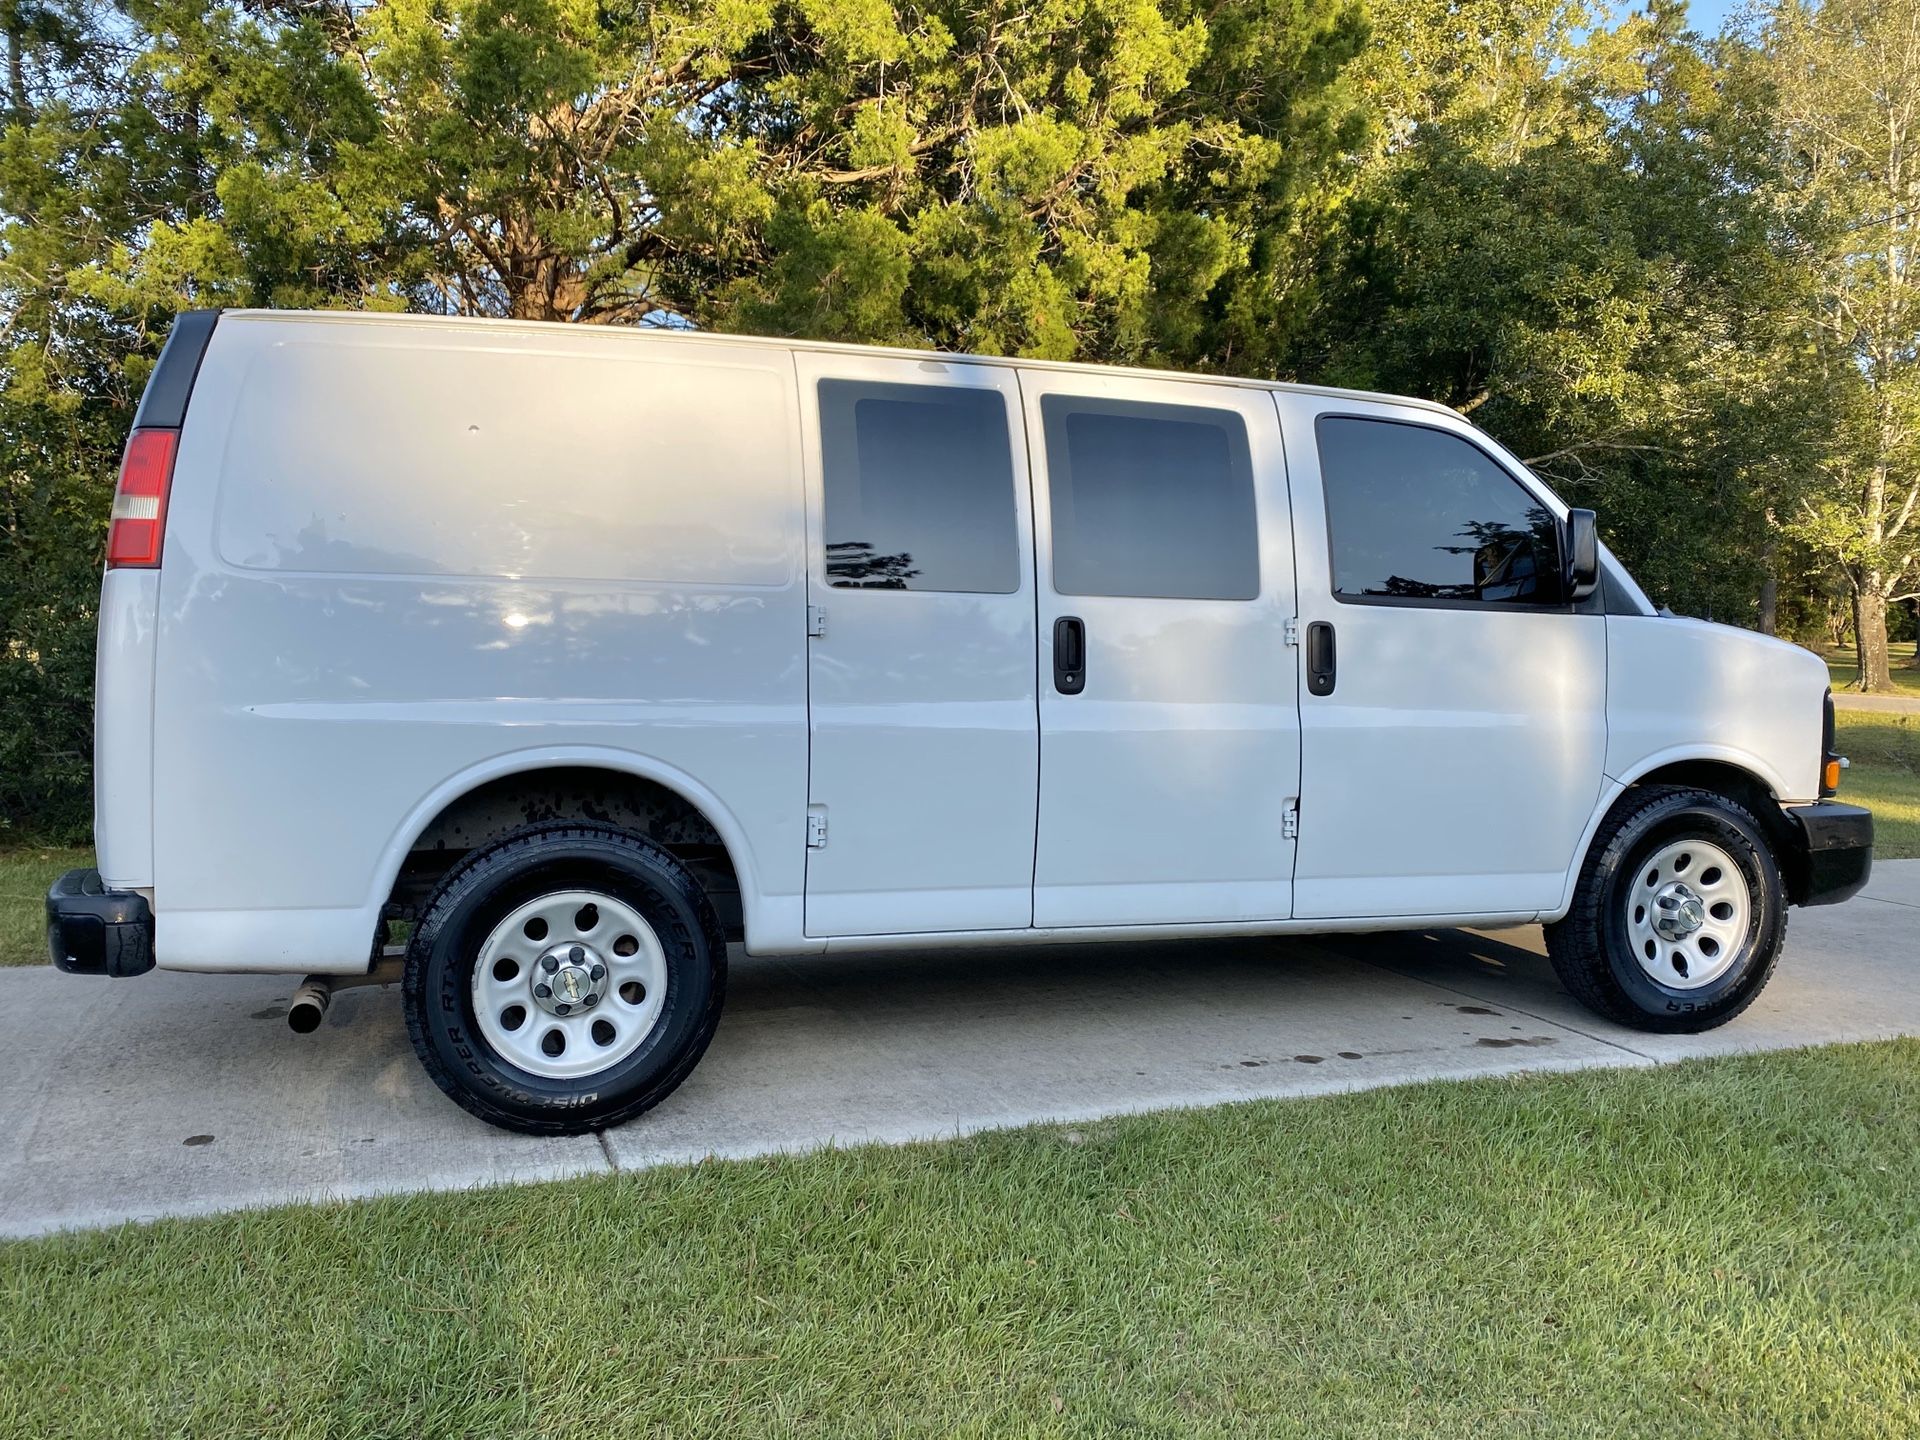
564	656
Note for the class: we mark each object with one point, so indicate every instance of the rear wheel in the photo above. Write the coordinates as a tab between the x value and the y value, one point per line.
566	978
1678	916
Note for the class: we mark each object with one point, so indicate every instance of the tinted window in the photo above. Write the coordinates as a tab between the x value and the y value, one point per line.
1421	514
919	488
1151	500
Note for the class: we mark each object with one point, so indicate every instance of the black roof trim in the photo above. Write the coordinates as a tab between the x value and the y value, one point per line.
163	406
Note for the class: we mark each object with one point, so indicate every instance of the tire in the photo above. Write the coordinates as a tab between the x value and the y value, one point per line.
627	1036
1658	844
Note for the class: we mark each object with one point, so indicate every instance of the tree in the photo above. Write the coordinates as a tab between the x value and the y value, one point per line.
1068	177
91	152
1557	236
1842	80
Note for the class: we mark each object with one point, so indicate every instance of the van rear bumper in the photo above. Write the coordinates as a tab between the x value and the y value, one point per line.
92	930
1835	851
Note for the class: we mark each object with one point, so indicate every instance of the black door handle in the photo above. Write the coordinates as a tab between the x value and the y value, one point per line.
1320	661
1069	655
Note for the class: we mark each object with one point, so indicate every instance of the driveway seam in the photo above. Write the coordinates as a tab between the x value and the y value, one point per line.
1903	904
1877	704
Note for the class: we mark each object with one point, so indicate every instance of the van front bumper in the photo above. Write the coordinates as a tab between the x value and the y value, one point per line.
1836	851
92	930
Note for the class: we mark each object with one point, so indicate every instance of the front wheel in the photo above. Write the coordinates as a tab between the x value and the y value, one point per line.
1678	916
564	979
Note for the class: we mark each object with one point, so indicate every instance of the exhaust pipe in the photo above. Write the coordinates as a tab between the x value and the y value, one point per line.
309	1004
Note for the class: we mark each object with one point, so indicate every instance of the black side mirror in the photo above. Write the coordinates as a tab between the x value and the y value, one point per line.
1582	553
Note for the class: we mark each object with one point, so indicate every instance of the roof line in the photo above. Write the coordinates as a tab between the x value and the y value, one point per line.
691	336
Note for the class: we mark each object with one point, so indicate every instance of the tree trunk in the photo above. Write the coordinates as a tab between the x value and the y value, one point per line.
1870	634
1770	577
16	69
1913	609
195	175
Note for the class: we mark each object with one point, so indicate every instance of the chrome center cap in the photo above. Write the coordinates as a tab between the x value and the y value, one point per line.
568	978
1678	911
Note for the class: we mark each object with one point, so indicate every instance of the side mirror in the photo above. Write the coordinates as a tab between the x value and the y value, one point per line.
1582	563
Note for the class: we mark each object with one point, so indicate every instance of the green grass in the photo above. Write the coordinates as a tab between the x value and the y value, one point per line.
1723	1248
25	875
1884	751
1844	667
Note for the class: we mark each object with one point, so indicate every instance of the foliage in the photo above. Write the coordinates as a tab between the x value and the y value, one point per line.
1842	84
1616	245
1570	252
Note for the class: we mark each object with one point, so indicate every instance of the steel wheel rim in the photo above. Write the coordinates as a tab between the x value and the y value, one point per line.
1687	913
569	1034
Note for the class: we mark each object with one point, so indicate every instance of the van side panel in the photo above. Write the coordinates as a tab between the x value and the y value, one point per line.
444	457
1683	689
399	555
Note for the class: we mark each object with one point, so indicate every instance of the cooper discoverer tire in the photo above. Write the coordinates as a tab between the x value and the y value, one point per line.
1678	915
565	978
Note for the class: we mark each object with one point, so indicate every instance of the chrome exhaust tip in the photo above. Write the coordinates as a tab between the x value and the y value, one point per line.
309	1004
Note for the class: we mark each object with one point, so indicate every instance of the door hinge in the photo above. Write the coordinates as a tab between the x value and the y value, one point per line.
816	621
816	826
1293	632
1290	820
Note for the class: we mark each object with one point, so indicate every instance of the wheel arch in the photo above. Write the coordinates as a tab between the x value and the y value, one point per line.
1721	770
483	801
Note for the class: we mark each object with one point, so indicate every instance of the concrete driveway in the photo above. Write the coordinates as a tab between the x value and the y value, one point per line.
1885	704
181	1094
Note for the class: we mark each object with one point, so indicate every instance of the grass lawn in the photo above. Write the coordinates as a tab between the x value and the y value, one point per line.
1723	1248
1885	777
25	874
1844	667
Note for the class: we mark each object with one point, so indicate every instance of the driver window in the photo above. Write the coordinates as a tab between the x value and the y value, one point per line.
1416	513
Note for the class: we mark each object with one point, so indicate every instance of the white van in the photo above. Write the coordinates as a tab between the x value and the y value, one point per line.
571	654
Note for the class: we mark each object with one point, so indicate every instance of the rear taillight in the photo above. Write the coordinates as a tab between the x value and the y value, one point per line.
140	501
